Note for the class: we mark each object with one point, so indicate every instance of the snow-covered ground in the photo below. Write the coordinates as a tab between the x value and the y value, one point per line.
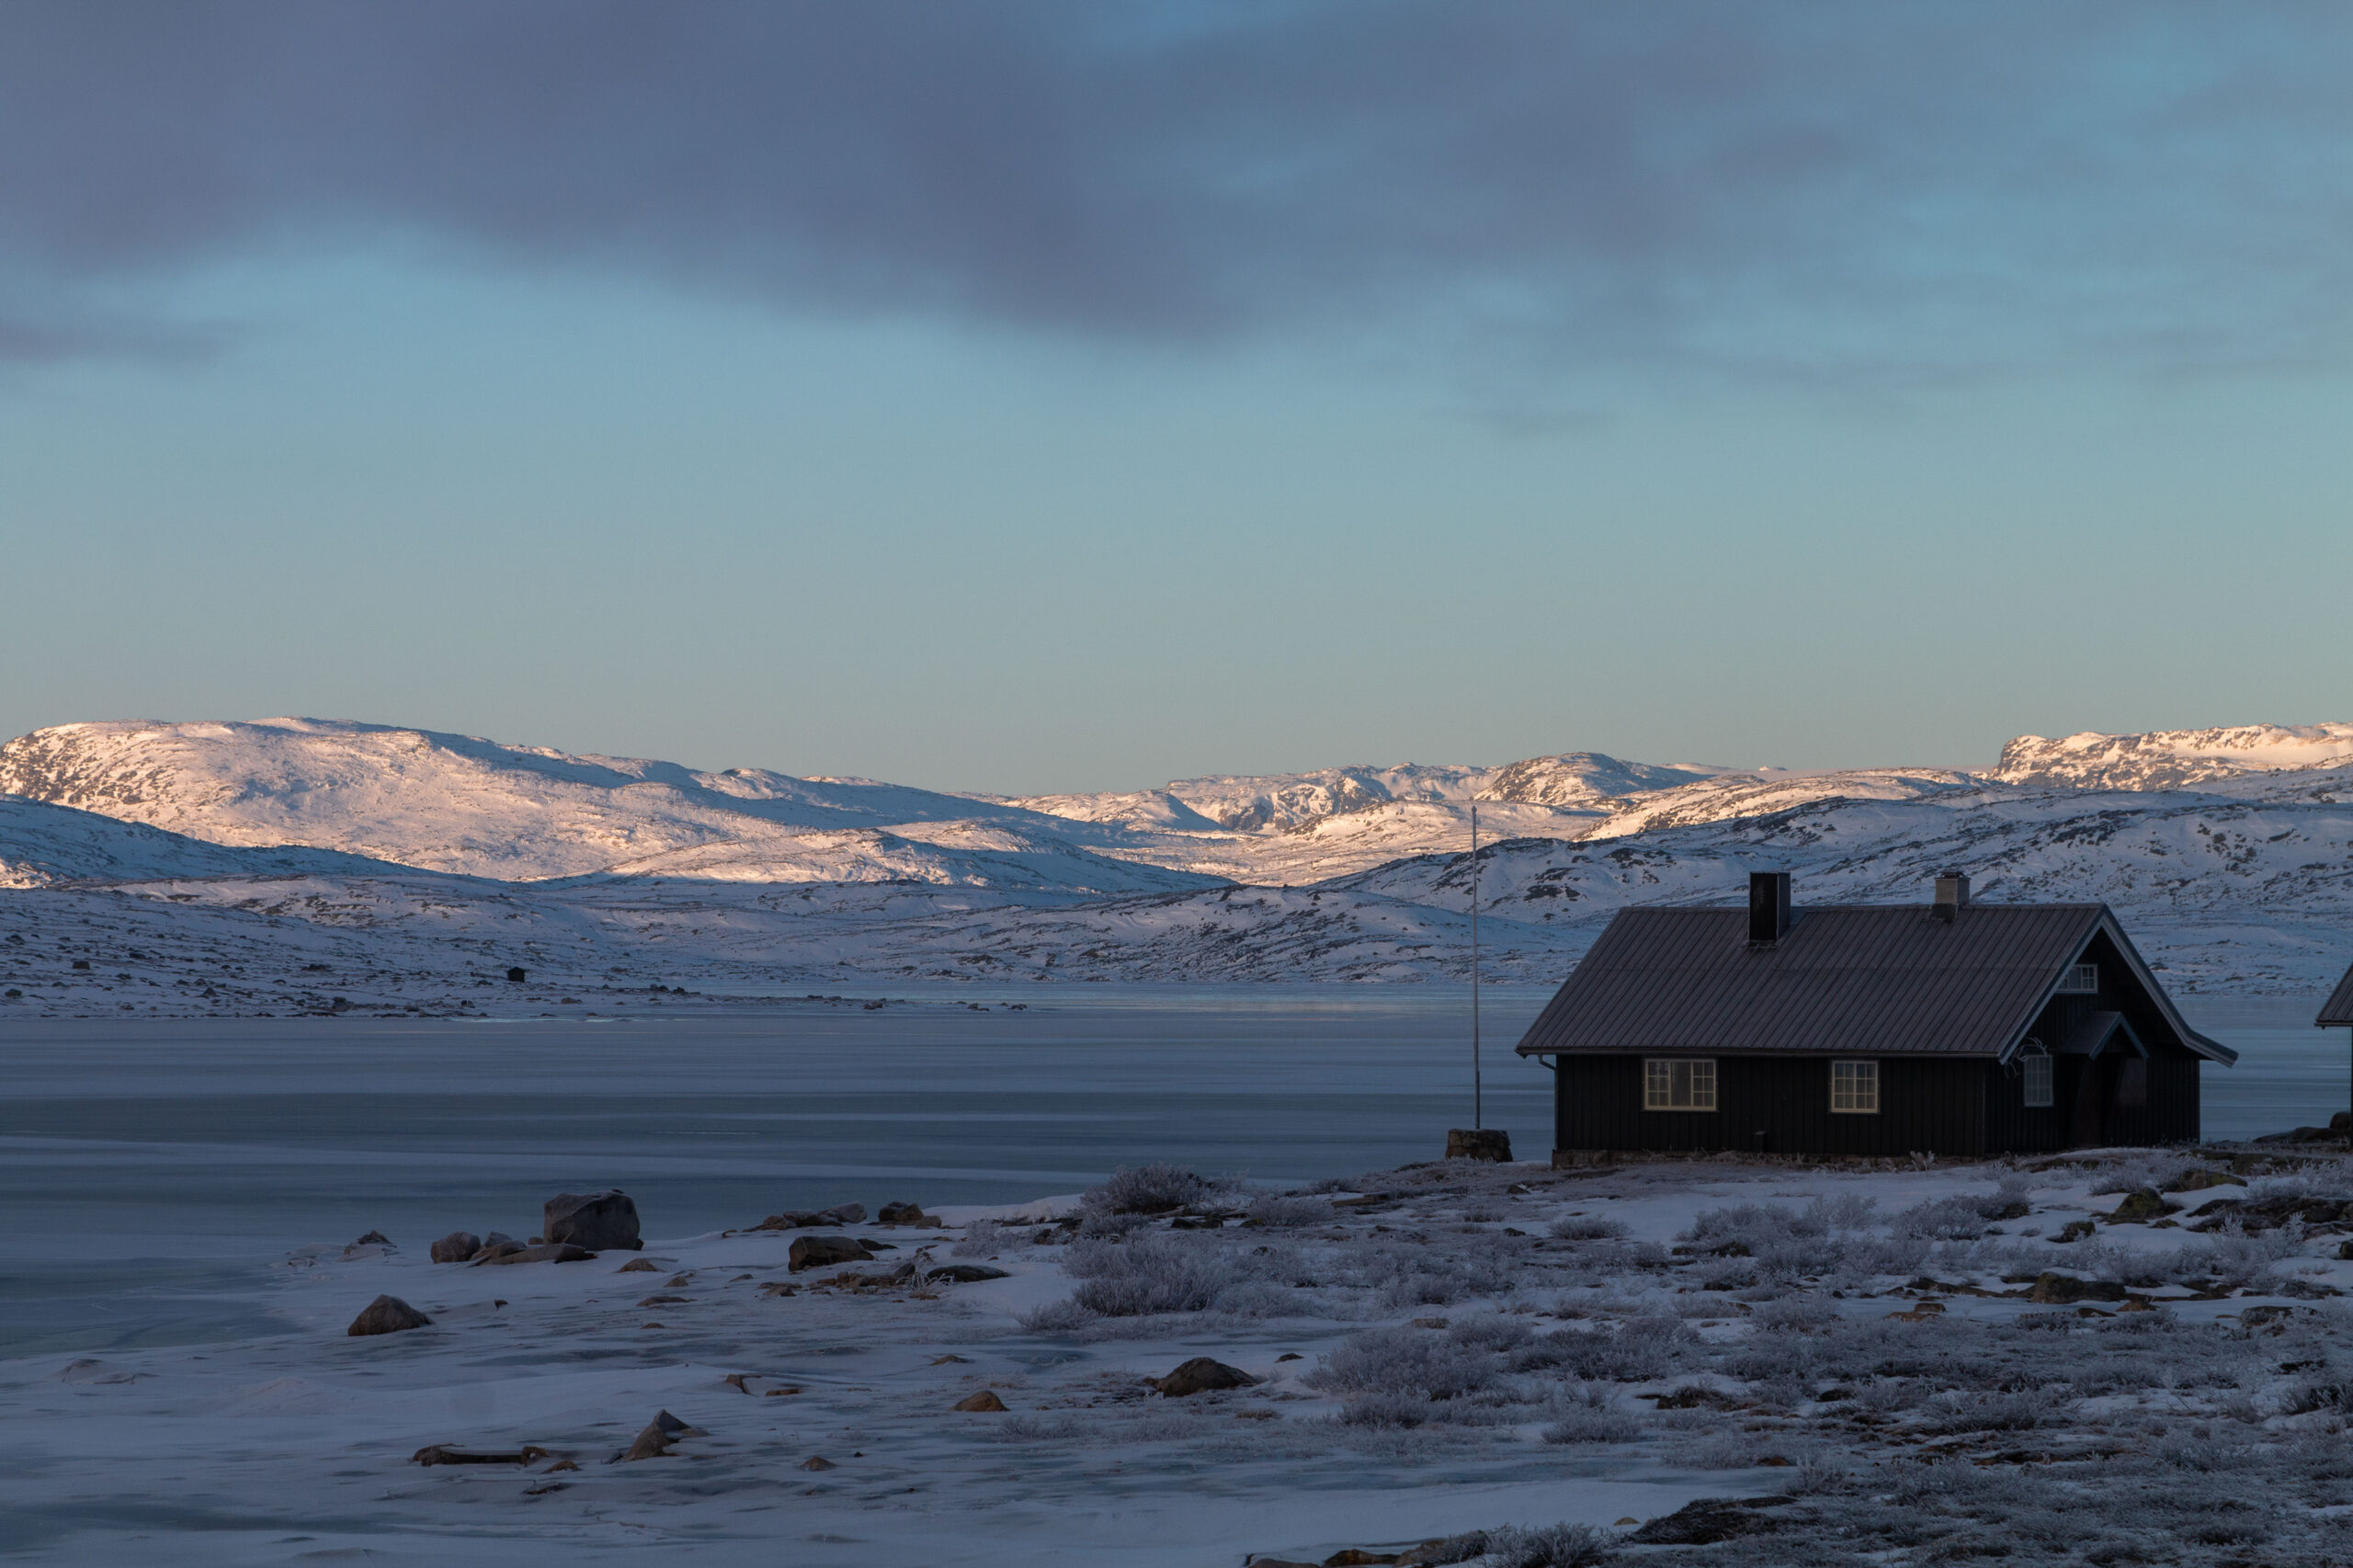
1905	1364
279	865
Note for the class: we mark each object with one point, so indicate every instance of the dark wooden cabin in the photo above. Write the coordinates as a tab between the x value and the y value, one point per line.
1951	1028
2337	1013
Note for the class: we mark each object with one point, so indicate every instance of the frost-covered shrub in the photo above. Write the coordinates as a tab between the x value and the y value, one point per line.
1587	1415
1285	1212
2232	1258
1493	1333
982	1237
1056	1317
1587	1228
1145	1274
1942	1219
1404	1361
1555	1546
1427	1277
1641	1349
1825	1237
2156	1171
1155	1188
1994	1412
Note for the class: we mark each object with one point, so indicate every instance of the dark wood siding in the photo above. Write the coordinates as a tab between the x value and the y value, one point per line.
1925	1105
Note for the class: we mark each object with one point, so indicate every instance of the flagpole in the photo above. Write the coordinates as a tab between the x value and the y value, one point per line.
1478	1107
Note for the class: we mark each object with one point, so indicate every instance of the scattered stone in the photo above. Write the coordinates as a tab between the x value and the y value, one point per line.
386	1314
1357	1557
561	1464
1490	1144
2139	1207
2200	1181
373	1238
984	1400
2055	1290
456	1247
823	1252
818	1461
639	1266
661	1300
1202	1375
546	1252
449	1453
951	1356
814	1219
1290	1356
905	1214
601	1222
965	1273
2074	1231
496	1248
1707	1521
651	1444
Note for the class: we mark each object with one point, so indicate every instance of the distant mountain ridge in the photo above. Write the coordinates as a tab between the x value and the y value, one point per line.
384	853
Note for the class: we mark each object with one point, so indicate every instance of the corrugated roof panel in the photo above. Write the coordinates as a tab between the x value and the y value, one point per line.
1885	979
2338	1009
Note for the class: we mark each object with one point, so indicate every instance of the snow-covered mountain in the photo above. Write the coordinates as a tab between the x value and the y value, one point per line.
2174	759
419	860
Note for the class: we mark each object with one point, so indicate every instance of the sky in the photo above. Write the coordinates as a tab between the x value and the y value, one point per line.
1045	397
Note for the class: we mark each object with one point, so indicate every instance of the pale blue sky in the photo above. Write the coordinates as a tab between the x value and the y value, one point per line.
1866	433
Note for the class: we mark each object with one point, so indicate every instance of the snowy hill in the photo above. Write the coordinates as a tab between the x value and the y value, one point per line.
2174	759
299	847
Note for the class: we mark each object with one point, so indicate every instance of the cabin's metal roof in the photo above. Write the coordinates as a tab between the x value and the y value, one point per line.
1877	980
2337	1011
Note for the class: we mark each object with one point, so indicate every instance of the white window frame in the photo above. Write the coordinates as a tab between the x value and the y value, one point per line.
1697	1087
2081	980
1854	1088
2035	1078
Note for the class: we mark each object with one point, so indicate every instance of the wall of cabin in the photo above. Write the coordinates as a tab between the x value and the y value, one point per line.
2172	1113
1930	1105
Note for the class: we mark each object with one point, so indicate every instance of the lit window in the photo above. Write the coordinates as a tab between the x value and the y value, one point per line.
1669	1084
1854	1087
2083	980
2037	1065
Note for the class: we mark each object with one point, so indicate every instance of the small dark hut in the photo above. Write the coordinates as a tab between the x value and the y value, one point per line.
1953	1027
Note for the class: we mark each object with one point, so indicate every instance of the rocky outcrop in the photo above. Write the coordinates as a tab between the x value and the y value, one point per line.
601	1222
1202	1375
386	1314
823	1252
456	1247
1492	1143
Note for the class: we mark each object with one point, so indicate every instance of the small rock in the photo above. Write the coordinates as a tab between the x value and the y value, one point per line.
546	1252
1358	1557
2273	1318
651	1444
823	1252
373	1238
601	1222
2200	1181
496	1248
639	1266
386	1314
1202	1375
1290	1356
818	1461
456	1247
1490	1144
451	1453
2141	1207
814	1219
951	1356
2052	1289
904	1214
965	1273
984	1400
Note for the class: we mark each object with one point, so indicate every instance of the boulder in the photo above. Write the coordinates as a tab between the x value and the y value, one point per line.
496	1247
547	1252
2139	1207
386	1314
601	1222
984	1400
2055	1290
655	1440
905	1214
823	1252
456	1247
1491	1143
965	1273
1202	1375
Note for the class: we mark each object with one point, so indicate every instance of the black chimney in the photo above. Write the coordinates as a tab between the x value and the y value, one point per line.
1952	895
1768	905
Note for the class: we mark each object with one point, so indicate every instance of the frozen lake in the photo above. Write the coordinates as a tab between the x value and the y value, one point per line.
153	1172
